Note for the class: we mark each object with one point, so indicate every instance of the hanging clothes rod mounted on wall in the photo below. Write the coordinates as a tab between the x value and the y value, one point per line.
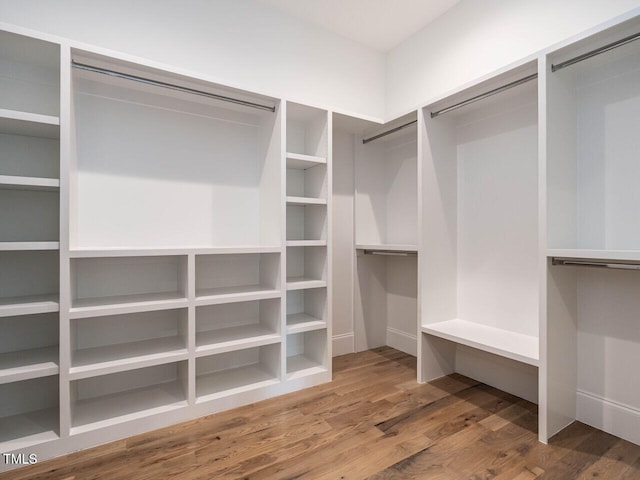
597	51
178	88
391	253
389	132
620	265
482	96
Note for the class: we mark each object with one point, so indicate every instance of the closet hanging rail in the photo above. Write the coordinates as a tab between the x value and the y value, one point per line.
594	263
389	132
178	88
482	96
597	51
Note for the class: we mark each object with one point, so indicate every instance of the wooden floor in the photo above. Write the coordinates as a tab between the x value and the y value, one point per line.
373	421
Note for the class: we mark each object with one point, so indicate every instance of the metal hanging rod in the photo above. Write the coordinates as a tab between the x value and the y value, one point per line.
389	132
482	96
178	88
391	253
620	265
595	52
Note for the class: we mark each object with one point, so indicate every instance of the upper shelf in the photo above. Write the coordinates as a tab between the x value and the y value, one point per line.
387	247
8	182
29	124
25	246
151	252
516	346
586	254
300	161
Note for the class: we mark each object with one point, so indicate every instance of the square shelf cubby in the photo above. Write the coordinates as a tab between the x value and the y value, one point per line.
307	353
306	310
117	281
106	400
222	278
238	325
306	267
306	223
237	371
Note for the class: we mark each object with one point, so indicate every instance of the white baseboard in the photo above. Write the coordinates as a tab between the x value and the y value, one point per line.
402	341
343	344
612	417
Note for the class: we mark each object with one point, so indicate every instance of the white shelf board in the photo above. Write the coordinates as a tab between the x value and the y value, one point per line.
587	254
28	183
94	307
95	413
213	296
300	161
306	201
516	346
91	362
28	305
28	246
89	252
306	243
387	247
28	364
29	124
232	381
301	283
302	366
28	429
301	322
234	338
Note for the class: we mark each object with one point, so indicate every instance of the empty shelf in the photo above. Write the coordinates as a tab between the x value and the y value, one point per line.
300	283
29	124
306	201
95	413
306	243
301	322
584	254
90	362
27	364
88	307
302	366
516	346
387	247
300	161
29	305
24	246
211	296
234	338
232	381
28	429
28	183
160	251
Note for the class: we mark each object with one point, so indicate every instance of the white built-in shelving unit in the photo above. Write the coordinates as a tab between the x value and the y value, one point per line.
307	230
29	241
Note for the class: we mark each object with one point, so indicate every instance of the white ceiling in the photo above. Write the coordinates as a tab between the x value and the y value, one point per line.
380	24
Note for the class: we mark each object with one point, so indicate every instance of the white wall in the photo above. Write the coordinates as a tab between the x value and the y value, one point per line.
240	42
477	37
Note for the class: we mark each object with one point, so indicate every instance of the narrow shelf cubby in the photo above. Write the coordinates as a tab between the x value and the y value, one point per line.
106	400
223	278
306	184
29	412
28	215
28	282
234	326
238	371
306	310
114	343
306	267
104	284
306	353
28	347
306	222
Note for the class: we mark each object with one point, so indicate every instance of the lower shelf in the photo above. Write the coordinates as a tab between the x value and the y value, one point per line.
302	366
28	305
234	338
232	381
28	429
516	346
103	411
302	322
299	283
28	364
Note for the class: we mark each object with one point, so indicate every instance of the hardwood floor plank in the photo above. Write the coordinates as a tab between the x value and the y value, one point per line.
373	421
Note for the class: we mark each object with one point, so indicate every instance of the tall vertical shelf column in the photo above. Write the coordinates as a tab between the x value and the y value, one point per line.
307	226
590	320
479	233
29	241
